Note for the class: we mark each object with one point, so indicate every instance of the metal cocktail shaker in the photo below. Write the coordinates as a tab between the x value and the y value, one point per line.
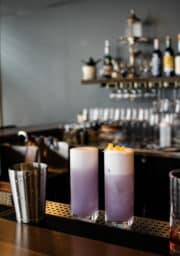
28	184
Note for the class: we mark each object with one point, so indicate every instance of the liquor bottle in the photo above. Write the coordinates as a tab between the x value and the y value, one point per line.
168	59
107	61
177	58
164	134
134	25
156	60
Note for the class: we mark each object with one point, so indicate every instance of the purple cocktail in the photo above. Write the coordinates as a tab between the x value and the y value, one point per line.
119	186
84	182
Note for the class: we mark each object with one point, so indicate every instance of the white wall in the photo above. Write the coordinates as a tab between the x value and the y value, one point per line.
42	49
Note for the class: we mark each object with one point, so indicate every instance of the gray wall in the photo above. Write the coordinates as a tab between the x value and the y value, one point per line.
42	49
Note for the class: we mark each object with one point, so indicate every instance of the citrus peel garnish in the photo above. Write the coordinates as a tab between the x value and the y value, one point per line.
115	148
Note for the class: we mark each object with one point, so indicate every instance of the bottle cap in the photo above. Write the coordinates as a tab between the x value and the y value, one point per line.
156	43
168	38
132	17
107	43
168	41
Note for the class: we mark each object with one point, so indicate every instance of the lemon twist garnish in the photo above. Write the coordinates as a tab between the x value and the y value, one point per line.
110	146
115	148
118	148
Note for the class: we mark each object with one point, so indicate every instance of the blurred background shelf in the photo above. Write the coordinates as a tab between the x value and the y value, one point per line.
164	81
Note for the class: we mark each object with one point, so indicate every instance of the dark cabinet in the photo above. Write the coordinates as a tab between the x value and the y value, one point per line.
152	185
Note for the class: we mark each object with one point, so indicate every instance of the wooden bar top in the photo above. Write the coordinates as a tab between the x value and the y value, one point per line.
26	240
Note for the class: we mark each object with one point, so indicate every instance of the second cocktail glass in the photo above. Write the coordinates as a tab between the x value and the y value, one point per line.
84	182
119	186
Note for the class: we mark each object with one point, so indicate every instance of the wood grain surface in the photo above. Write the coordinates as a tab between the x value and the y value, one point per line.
26	240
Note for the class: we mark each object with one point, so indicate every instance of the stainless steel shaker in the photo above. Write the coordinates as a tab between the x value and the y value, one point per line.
28	184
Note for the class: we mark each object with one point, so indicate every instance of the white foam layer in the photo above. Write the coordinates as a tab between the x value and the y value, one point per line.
83	158
121	162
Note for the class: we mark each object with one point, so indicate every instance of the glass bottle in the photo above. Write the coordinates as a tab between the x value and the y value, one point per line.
156	60
177	58
168	59
107	61
134	25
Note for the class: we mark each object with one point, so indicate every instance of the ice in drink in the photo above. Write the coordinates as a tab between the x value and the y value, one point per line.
119	184
84	182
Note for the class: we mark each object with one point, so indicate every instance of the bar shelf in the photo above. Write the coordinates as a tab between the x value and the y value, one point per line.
160	82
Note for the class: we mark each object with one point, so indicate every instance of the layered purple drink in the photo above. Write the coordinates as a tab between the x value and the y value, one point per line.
84	182
119	185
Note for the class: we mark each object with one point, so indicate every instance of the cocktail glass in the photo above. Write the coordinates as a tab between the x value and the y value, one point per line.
84	182
119	186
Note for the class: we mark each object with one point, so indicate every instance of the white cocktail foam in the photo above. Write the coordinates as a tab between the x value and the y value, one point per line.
119	162
83	158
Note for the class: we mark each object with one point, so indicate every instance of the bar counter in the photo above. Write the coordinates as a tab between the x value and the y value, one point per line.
147	235
55	129
11	131
26	240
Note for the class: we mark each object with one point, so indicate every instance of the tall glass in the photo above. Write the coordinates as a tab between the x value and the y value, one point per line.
84	182
119	186
175	212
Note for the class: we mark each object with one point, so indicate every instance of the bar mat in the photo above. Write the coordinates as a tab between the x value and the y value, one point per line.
141	225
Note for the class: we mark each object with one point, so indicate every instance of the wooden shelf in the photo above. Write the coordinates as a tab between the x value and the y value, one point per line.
155	80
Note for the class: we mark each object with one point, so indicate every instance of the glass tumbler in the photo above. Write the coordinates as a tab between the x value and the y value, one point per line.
174	212
119	186
84	182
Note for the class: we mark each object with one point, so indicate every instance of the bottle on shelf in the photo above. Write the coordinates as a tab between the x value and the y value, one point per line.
134	25
177	58
168	59
107	61
116	69
156	61
89	69
164	134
